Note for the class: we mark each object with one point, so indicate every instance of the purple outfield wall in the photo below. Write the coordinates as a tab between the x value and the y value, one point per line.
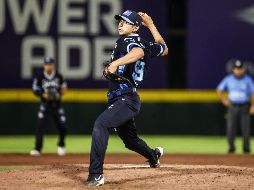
217	31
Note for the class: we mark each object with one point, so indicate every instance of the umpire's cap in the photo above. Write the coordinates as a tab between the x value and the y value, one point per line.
237	64
131	17
49	60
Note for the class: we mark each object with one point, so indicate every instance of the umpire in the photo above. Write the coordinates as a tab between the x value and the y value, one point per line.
240	103
50	86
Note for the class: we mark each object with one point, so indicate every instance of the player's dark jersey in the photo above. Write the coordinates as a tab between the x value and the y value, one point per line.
134	72
45	82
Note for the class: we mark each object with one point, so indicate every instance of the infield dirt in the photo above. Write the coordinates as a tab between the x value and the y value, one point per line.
129	171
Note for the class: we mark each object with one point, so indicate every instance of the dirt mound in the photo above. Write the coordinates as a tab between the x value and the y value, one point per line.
176	172
65	176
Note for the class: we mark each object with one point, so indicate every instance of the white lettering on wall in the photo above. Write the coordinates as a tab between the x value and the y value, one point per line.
30	61
83	22
107	19
2	15
100	46
66	13
31	10
84	69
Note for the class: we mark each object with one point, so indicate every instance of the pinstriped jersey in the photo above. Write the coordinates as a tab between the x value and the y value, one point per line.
135	72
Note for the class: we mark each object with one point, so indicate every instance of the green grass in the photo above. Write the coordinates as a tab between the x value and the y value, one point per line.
81	144
8	168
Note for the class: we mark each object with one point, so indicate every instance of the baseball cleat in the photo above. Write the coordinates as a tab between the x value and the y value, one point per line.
35	153
95	180
61	151
155	163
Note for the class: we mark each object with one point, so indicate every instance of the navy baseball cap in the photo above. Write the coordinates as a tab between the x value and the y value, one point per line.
49	60
237	64
131	17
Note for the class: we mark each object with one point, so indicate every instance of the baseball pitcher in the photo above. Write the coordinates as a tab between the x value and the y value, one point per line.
129	63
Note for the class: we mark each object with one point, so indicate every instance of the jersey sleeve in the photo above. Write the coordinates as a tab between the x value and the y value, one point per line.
36	87
223	84
156	49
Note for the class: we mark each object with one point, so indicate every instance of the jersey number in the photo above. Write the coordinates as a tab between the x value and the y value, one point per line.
139	71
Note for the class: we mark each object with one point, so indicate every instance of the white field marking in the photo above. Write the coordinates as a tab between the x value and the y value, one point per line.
179	166
135	166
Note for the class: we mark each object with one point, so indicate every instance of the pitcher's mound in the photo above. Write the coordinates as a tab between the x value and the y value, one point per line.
129	176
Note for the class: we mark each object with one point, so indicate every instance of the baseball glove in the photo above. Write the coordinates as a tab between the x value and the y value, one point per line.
114	77
53	94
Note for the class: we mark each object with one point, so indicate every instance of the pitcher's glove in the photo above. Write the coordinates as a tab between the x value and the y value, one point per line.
53	94
114	77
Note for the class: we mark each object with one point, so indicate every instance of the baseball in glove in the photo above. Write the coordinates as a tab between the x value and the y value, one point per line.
53	95
114	77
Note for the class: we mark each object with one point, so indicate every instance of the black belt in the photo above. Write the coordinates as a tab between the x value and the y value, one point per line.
120	92
240	104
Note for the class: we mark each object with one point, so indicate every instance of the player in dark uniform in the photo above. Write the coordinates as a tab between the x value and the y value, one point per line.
50	86
130	59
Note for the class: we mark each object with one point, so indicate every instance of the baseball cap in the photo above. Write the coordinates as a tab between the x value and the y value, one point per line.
131	17
237	64
49	60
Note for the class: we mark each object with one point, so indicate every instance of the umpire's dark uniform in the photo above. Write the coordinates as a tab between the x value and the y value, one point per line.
123	104
52	84
240	88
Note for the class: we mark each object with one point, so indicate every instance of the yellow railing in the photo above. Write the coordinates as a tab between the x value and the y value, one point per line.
99	95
